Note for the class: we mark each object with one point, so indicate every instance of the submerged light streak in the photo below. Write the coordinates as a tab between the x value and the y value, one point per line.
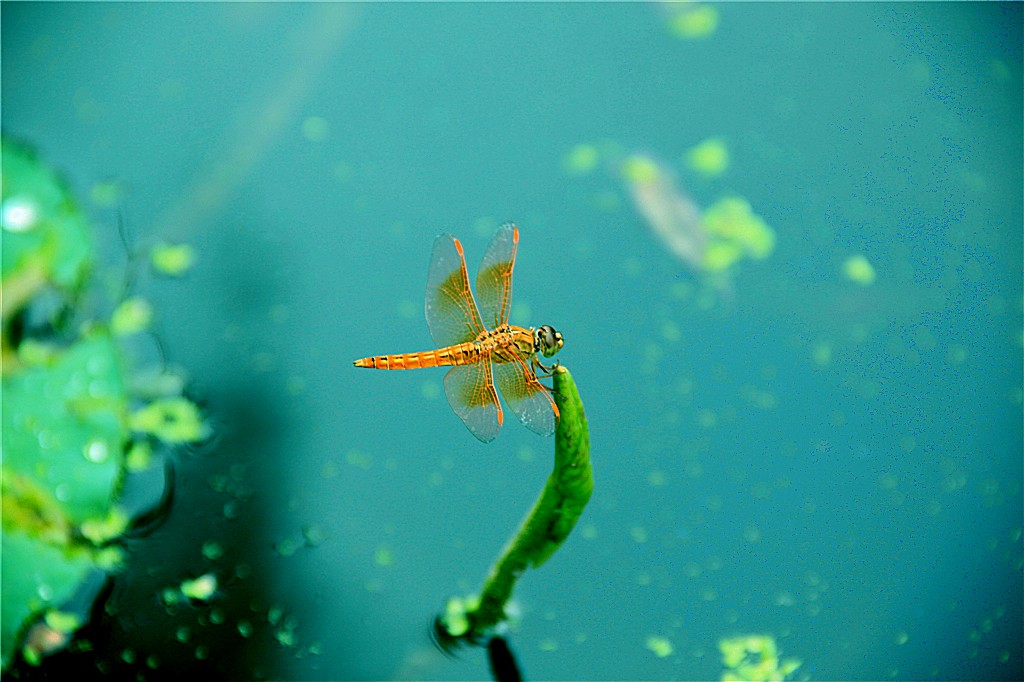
672	216
709	242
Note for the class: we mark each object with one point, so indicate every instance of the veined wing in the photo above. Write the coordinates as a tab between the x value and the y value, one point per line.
526	396
452	316
494	279
470	391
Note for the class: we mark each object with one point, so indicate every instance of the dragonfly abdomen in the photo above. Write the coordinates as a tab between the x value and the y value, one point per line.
461	354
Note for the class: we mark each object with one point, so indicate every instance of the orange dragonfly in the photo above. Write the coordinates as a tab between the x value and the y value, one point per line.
500	354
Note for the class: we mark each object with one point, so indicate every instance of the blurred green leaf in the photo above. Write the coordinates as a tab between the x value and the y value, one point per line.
40	220
63	430
63	426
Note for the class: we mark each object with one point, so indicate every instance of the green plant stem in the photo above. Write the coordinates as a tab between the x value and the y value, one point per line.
544	529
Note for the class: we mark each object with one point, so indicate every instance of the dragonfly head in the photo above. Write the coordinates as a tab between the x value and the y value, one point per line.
547	341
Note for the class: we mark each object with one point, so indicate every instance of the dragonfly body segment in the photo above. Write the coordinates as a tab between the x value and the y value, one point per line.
505	344
483	359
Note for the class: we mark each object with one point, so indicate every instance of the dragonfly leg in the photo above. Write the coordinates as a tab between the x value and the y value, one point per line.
544	371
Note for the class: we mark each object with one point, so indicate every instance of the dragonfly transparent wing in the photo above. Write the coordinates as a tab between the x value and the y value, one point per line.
526	396
494	279
470	391
451	312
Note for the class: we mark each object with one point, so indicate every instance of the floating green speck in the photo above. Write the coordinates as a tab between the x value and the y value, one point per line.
455	616
108	527
173	260
659	646
288	546
107	193
581	159
358	458
201	588
709	158
313	536
858	269
315	129
694	21
133	315
212	550
641	170
383	556
286	636
60	621
170	596
821	353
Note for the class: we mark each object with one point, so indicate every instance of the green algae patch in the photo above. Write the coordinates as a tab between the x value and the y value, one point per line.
713	241
731	221
172	420
542	532
754	658
734	233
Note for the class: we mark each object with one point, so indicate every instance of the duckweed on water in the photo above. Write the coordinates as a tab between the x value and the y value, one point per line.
754	658
859	270
709	158
172	260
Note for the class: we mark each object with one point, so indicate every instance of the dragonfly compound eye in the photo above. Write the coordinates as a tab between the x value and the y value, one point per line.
549	340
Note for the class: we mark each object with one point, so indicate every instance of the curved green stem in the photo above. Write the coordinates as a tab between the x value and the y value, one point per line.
541	533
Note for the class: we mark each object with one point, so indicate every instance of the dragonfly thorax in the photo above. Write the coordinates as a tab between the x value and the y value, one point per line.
506	343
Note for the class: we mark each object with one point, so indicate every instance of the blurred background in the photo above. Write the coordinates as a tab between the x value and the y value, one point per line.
812	433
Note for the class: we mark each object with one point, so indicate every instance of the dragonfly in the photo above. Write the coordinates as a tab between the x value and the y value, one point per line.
483	359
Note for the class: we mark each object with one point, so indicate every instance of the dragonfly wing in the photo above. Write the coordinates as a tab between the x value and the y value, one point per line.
494	279
526	396
452	315
470	391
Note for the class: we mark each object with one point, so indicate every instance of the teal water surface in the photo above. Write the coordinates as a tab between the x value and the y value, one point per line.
786	448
